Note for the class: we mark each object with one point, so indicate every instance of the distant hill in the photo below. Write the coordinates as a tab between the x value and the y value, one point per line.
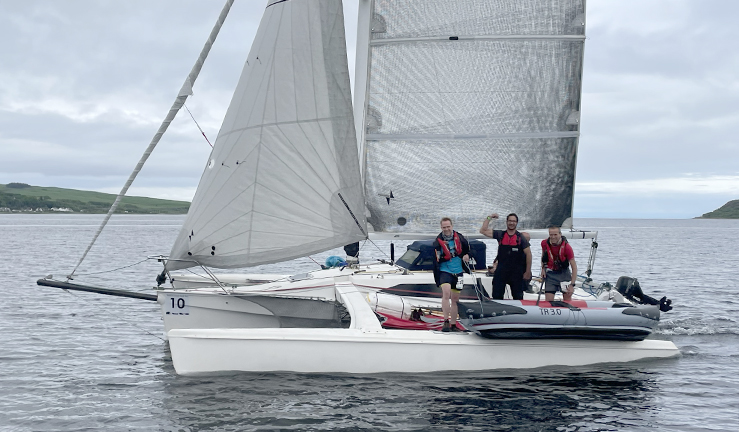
730	210
20	197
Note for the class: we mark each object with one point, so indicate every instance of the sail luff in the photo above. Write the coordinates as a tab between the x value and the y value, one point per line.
569	222
361	76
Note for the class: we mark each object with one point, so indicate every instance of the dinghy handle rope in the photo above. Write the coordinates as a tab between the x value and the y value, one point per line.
478	282
185	91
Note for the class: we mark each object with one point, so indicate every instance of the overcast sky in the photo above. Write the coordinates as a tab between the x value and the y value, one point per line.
84	85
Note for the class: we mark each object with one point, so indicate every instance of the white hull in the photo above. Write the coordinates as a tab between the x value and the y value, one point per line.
354	351
365	347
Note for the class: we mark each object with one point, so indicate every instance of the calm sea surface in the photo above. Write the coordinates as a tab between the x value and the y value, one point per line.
79	361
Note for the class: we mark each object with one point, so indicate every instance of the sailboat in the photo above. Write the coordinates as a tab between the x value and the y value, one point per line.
284	181
458	109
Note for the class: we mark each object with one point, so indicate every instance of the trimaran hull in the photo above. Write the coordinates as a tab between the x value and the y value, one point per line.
365	347
413	351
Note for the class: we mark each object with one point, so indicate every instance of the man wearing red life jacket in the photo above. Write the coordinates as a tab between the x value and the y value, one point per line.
557	257
452	250
514	257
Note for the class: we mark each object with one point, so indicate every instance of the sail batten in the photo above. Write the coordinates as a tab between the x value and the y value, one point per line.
457	38
377	137
283	178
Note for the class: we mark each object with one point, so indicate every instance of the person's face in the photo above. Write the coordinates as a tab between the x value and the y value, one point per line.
555	236
446	228
511	222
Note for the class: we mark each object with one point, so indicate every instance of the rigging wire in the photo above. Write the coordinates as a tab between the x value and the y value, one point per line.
196	124
311	258
378	247
116	269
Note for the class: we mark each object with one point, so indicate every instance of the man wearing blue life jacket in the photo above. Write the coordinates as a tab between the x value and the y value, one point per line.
514	257
451	250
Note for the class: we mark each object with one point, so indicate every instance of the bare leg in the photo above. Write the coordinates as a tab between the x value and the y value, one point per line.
549	296
567	295
446	294
454	311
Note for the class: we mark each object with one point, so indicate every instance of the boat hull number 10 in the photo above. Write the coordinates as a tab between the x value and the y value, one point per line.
177	305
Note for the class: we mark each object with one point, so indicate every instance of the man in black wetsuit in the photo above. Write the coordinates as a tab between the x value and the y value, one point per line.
514	257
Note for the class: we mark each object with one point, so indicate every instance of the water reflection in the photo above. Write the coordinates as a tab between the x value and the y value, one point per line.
607	398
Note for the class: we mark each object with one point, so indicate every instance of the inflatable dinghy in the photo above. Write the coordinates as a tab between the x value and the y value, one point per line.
526	319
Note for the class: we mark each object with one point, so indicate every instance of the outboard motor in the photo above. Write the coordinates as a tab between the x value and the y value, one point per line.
629	287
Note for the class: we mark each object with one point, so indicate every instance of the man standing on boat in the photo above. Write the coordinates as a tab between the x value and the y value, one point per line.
557	257
514	257
451	250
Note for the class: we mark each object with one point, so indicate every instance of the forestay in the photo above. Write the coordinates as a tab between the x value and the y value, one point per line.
470	107
283	178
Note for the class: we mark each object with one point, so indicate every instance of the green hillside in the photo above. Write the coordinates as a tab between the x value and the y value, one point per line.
20	197
730	210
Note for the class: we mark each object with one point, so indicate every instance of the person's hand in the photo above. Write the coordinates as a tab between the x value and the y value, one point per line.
493	216
527	275
571	287
466	258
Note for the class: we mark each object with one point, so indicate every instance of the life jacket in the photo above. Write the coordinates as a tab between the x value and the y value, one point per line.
559	262
446	254
511	257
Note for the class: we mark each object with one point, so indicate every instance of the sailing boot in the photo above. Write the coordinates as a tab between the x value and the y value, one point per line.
447	326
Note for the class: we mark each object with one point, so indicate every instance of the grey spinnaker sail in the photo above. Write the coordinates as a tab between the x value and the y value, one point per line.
283	178
472	107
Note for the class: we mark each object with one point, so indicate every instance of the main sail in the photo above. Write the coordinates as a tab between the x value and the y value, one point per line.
470	107
283	178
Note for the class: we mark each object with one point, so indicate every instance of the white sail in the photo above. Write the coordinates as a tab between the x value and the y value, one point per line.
283	178
470	107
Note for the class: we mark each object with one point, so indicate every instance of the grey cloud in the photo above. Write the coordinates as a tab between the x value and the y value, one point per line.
660	98
661	92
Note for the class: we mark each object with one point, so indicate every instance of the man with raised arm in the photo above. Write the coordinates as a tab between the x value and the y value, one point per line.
514	257
451	250
557	257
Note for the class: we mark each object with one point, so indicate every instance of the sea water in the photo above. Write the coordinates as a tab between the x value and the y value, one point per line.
81	361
